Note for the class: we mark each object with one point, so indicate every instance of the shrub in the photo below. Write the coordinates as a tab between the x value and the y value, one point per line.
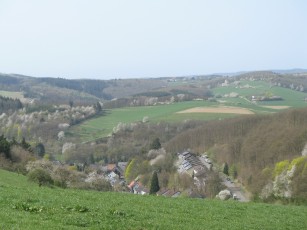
280	167
233	171
40	176
101	185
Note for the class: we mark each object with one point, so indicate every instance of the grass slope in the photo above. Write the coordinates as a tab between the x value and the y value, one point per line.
26	206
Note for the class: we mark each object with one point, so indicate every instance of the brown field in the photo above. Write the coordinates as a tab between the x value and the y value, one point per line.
277	107
221	109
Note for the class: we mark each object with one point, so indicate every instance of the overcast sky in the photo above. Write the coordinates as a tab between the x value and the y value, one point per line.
106	39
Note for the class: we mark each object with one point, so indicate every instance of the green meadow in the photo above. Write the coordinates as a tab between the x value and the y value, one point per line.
25	205
290	97
103	126
14	95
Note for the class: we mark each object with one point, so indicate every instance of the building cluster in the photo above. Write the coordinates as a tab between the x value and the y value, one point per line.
187	162
113	173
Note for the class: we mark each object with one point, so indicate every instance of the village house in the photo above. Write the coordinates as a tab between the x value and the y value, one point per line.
112	177
121	168
118	168
137	188
114	172
187	162
199	171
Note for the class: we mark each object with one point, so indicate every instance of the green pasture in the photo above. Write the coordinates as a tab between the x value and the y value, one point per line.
25	205
103	126
290	97
259	87
14	95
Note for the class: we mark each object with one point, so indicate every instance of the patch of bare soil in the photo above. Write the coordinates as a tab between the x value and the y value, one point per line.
277	107
221	109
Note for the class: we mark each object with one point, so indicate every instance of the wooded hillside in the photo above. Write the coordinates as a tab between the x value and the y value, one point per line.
249	144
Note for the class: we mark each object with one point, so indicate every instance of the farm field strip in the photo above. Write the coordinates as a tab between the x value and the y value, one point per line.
276	107
220	109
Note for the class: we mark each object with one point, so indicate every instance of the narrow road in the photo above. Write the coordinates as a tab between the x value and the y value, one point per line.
233	187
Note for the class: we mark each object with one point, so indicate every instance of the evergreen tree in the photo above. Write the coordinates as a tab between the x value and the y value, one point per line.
98	107
25	145
5	147
155	144
225	169
71	103
154	186
39	149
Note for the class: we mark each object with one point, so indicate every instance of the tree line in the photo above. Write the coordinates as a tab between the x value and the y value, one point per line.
9	105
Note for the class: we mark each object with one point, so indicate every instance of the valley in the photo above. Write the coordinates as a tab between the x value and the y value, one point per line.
145	115
250	127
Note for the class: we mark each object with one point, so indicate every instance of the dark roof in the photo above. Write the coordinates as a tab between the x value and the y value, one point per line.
122	165
168	192
162	191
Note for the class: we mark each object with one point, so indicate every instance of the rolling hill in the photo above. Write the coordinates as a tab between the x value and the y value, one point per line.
85	91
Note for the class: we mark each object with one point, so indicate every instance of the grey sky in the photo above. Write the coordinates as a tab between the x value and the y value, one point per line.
153	38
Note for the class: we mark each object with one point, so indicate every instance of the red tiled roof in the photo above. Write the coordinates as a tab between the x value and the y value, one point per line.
131	184
111	167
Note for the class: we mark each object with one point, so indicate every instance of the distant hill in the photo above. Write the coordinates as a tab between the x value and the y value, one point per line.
290	71
49	90
231	74
279	71
81	91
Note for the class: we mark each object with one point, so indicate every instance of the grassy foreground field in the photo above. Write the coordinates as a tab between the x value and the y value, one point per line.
26	206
